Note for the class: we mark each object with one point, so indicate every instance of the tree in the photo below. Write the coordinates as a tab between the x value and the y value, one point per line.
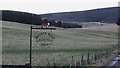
59	24
118	21
52	23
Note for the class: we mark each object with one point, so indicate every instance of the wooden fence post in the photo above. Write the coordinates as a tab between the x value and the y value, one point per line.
75	64
72	60
54	65
88	58
48	63
98	54
102	53
92	57
107	53
82	60
70	66
95	56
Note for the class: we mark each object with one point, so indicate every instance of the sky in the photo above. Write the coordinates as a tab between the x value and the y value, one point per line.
53	6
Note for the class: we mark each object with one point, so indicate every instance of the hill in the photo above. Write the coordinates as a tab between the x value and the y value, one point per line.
29	18
105	15
21	17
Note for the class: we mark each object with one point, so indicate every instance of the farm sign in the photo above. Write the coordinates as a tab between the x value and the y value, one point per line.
44	38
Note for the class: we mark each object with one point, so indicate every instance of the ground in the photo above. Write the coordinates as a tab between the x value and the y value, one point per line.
67	43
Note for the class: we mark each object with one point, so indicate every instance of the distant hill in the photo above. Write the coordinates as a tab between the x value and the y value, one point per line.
29	18
107	15
21	17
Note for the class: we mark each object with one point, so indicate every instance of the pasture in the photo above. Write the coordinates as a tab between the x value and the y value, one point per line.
67	43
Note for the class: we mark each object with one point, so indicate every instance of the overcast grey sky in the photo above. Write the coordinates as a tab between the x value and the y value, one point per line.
51	6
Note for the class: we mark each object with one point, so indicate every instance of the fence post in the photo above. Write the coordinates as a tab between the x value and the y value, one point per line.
101	54
48	63
75	64
72	60
54	65
107	53
98	54
70	66
92	57
95	56
88	58
82	60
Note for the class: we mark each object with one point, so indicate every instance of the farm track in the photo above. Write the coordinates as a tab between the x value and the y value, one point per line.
113	63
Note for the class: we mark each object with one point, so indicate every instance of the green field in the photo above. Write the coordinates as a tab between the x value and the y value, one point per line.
67	43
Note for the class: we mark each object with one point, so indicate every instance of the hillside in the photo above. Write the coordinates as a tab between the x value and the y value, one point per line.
107	15
20	17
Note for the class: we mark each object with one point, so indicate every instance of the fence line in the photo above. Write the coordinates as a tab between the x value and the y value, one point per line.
88	59
92	58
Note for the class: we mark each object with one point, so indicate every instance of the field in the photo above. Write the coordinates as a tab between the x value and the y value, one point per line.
67	43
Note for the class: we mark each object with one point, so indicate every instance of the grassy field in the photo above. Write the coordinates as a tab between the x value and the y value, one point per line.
67	43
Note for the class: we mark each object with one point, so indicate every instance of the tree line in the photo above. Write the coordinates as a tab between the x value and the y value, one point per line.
30	18
21	17
63	24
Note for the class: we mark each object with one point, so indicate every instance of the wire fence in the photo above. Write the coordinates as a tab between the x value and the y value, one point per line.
93	58
89	58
